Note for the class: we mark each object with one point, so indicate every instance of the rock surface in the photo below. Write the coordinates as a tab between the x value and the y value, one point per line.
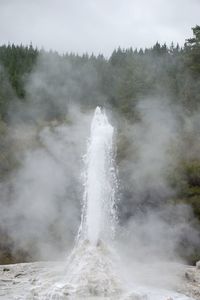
191	282
30	280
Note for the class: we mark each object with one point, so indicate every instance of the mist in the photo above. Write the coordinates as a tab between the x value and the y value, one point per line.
42	213
41	199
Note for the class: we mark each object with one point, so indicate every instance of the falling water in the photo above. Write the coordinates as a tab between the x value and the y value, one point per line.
99	214
90	269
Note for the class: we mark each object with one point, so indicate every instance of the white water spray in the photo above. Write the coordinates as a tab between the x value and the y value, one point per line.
99	215
90	269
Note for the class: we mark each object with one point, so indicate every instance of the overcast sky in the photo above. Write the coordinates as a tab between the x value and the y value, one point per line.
96	26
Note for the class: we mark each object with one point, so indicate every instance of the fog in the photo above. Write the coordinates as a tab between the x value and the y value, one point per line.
41	199
42	213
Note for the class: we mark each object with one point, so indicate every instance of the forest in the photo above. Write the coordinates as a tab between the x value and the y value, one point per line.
40	88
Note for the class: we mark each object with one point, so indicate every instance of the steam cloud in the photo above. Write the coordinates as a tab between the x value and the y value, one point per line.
43	211
40	206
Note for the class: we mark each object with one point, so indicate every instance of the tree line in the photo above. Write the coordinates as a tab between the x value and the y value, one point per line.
125	77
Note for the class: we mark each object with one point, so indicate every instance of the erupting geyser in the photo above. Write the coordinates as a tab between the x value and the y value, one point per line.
91	269
99	216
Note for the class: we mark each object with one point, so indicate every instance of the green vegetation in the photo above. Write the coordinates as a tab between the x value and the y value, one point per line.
187	183
123	79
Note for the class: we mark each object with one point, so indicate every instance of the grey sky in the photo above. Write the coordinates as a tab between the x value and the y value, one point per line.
96	26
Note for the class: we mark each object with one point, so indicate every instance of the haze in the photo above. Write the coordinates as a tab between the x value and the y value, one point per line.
96	26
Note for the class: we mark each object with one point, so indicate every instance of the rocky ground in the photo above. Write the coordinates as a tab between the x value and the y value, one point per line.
191	282
23	281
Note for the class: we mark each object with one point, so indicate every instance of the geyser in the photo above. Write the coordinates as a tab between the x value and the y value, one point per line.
99	215
91	270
